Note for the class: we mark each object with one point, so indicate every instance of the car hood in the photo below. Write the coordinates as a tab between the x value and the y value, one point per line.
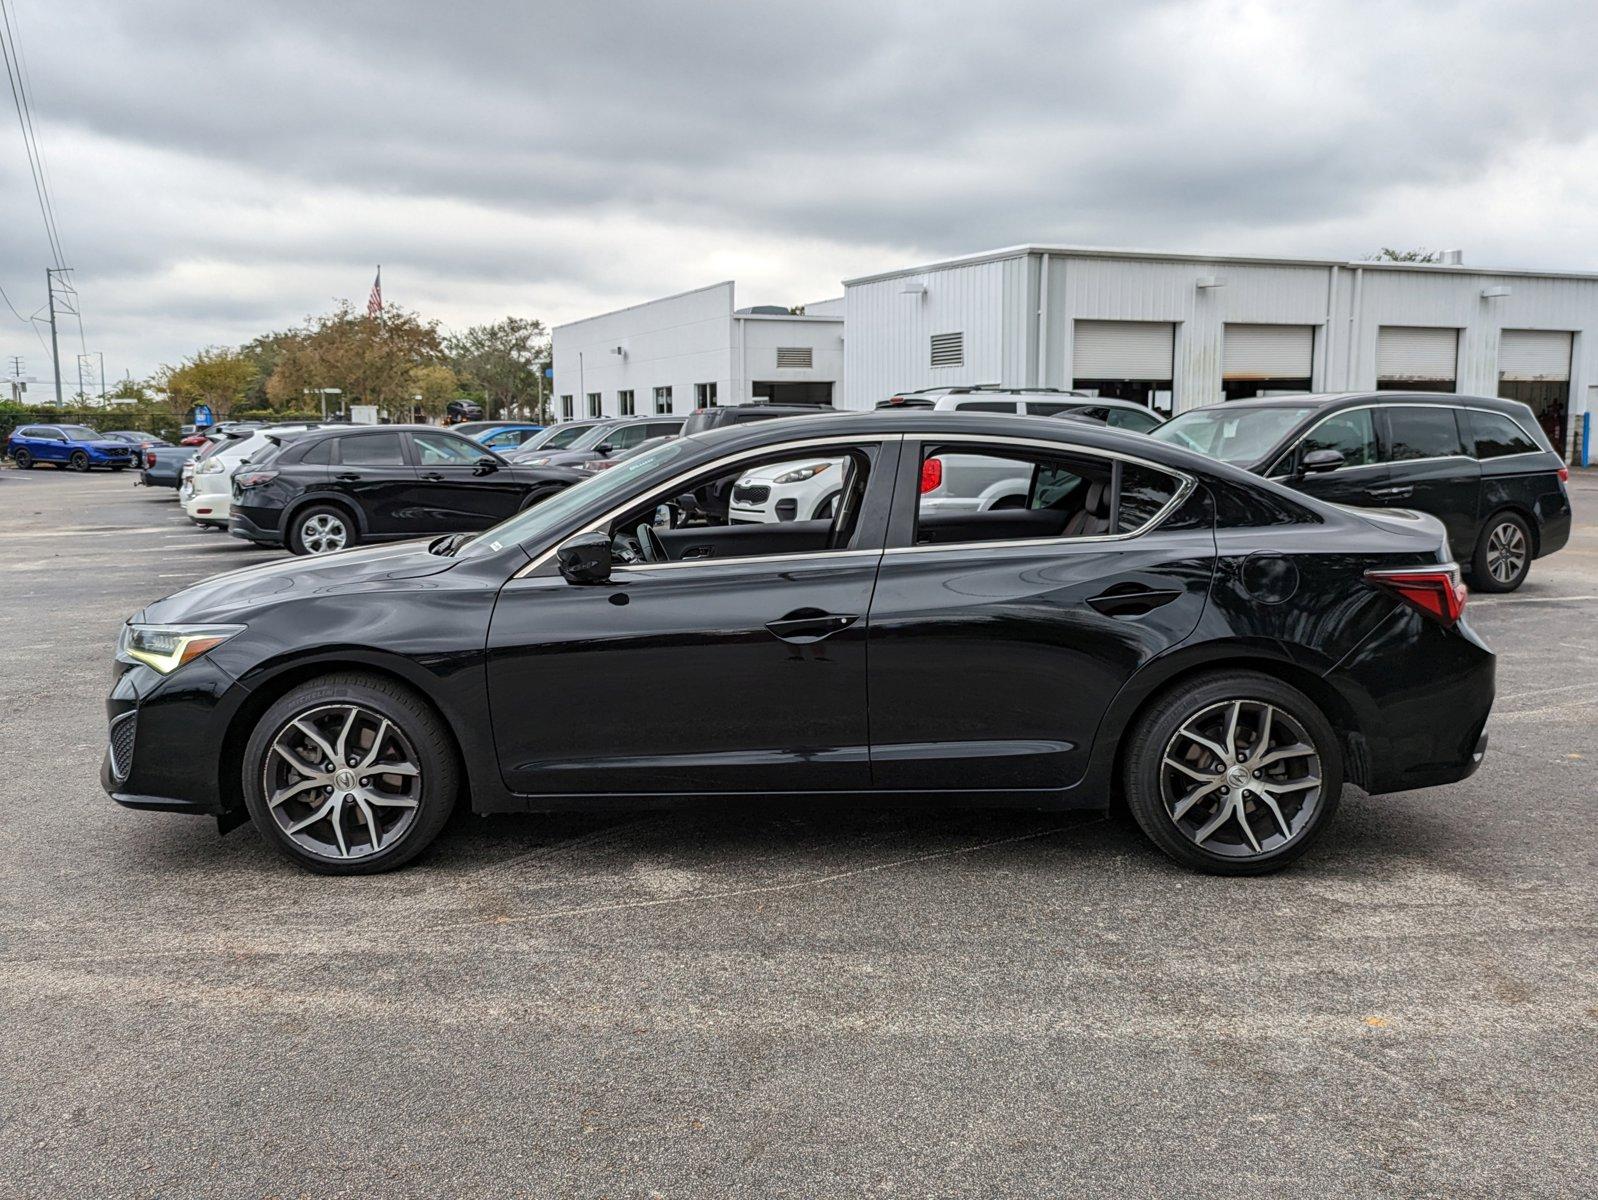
226	597
566	458
109	444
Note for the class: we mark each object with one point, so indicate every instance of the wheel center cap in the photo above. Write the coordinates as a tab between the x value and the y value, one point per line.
345	779
1238	776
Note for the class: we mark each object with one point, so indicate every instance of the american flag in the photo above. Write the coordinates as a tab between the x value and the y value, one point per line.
374	302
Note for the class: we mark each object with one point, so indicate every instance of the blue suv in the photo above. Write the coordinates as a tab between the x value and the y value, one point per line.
62	446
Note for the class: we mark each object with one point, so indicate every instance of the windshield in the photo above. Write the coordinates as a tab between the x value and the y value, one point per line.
544	519
80	433
1237	436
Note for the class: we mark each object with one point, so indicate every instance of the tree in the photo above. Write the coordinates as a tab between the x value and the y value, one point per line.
436	385
369	359
266	352
1388	254
502	363
136	390
218	377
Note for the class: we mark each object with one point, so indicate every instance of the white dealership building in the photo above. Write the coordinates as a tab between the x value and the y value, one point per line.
1171	330
697	350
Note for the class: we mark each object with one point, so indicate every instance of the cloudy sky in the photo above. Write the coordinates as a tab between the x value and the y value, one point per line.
223	169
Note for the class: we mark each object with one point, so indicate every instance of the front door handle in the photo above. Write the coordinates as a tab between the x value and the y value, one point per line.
809	625
1132	599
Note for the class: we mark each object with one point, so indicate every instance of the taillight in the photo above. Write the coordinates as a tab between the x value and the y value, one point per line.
1564	473
149	458
1436	591
931	474
256	478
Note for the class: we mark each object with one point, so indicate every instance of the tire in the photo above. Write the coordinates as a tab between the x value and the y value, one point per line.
826	509
322	529
1503	554
79	460
24	460
1008	502
1176	804
408	810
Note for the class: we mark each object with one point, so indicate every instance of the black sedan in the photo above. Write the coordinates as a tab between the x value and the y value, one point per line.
1480	465
336	487
1225	652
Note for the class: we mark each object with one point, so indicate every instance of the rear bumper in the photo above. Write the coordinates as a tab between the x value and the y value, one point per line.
251	525
1553	526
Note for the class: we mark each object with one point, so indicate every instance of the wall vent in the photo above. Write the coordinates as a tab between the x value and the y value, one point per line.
795	358
948	349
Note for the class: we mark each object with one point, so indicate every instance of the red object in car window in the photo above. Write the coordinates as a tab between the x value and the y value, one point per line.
931	474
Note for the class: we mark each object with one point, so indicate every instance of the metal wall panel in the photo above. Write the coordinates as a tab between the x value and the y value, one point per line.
1416	352
1534	355
1124	350
1268	351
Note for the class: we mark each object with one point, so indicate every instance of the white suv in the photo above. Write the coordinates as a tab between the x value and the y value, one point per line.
208	494
788	491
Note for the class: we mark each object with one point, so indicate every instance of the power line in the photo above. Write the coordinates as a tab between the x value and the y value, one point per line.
12	53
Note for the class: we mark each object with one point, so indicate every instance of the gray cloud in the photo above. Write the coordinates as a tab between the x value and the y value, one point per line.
225	168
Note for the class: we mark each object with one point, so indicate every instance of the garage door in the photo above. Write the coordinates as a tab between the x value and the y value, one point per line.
1124	350
1407	353
1268	352
1533	355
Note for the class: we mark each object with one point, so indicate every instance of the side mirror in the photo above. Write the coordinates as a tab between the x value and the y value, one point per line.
1318	462
485	466
688	504
585	558
604	449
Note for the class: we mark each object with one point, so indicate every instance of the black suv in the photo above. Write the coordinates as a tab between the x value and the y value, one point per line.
331	488
702	419
1481	465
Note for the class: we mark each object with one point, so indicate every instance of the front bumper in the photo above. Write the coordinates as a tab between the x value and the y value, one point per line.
166	737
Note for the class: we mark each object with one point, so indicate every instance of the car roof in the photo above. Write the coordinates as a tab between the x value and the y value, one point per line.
1329	400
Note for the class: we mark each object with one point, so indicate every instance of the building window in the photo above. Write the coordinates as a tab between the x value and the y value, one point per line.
566	410
948	349
663	400
797	358
705	395
594	407
624	401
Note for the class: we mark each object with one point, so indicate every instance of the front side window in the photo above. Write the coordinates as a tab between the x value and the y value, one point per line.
372	450
626	437
979	494
1417	432
663	402
1498	437
440	449
1352	434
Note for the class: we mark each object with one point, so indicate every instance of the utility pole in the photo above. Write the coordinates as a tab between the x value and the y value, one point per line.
55	346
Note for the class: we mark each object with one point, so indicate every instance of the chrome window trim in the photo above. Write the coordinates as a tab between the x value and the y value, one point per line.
814	556
1408	404
1185	489
677	480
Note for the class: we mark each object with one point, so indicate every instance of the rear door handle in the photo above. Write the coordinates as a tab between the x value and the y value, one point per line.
348	476
1132	599
1392	493
433	477
809	625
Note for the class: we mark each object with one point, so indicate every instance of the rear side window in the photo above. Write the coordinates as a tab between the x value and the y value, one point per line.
1004	406
319	455
1422	433
1352	434
1496	436
1144	491
1045	408
371	450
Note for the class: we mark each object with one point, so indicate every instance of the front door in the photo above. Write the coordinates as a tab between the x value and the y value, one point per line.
1362	480
742	669
999	638
453	493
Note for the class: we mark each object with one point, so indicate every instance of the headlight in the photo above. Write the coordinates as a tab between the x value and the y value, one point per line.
168	647
800	474
537	462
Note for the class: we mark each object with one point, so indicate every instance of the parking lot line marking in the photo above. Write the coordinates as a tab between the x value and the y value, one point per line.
1518	600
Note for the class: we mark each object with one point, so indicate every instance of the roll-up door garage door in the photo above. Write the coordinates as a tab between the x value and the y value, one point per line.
1124	350
1416	357
1268	352
1533	355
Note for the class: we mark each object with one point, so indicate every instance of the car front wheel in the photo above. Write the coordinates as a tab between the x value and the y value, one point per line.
322	530
350	775
1234	773
1503	554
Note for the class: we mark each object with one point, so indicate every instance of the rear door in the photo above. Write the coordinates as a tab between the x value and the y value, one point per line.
1429	469
372	469
454	494
999	638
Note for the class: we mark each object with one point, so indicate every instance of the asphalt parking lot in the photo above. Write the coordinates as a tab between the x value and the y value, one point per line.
783	1002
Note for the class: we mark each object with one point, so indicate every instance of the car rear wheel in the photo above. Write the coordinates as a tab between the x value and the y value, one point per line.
1503	554
350	775
1234	773
24	460
322	529
79	460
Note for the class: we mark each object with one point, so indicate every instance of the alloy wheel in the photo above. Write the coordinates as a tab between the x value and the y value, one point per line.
1506	552
1241	778
323	533
342	782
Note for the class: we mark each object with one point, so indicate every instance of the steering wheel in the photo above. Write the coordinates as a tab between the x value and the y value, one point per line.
625	549
650	547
